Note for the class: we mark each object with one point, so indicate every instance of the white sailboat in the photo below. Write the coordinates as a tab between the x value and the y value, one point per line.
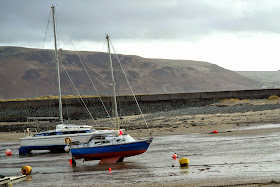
55	140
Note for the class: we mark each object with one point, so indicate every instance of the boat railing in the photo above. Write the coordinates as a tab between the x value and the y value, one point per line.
42	118
30	131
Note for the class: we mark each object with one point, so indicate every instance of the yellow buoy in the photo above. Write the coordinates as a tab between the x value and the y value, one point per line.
184	162
26	170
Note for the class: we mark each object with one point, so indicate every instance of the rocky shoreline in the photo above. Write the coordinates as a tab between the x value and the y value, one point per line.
240	112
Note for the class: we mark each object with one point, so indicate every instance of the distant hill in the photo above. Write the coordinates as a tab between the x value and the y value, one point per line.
268	79
26	72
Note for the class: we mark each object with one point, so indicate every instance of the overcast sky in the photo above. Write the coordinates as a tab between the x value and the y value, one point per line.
234	34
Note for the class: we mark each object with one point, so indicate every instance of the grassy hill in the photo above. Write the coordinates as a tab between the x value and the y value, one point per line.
26	72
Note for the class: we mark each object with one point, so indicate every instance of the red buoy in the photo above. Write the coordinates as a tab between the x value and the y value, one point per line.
120	132
174	156
110	169
70	161
8	152
215	131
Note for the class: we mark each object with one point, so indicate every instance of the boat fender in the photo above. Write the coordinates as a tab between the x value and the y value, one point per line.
68	140
67	149
26	170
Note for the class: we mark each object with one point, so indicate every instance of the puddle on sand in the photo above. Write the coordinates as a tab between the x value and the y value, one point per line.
210	156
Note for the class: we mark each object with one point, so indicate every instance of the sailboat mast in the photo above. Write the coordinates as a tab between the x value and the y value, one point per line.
113	84
57	67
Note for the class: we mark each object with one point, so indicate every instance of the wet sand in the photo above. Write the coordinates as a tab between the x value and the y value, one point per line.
249	157
235	125
10	137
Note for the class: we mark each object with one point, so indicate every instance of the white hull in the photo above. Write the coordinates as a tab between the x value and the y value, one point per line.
55	143
53	140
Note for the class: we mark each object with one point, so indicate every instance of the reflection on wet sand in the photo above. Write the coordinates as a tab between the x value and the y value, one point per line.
85	167
184	170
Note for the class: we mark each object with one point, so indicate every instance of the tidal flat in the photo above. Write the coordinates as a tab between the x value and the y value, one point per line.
244	152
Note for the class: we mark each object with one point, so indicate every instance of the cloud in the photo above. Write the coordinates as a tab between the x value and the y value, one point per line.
144	22
156	19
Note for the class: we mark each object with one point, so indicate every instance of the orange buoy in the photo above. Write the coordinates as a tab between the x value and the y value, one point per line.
8	152
26	170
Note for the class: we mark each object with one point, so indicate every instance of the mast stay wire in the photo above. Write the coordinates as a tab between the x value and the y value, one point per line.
103	45
85	106
46	30
78	93
43	46
108	115
130	86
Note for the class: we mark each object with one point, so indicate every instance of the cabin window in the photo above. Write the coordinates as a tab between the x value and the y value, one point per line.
74	132
101	142
52	133
41	134
99	137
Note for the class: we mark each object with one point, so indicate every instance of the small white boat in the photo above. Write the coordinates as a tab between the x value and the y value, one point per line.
54	140
110	146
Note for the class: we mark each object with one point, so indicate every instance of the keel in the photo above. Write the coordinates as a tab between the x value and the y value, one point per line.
112	160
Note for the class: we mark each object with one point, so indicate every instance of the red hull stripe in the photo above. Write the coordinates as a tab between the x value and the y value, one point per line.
99	156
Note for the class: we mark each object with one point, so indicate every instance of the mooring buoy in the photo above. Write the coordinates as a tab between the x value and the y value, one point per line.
174	156
26	170
8	152
184	162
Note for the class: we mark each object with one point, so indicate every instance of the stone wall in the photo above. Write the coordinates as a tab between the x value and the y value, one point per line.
73	108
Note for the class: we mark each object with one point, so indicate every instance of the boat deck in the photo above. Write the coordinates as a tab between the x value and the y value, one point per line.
8	181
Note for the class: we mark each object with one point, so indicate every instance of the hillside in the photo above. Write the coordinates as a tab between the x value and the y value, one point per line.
268	79
26	72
